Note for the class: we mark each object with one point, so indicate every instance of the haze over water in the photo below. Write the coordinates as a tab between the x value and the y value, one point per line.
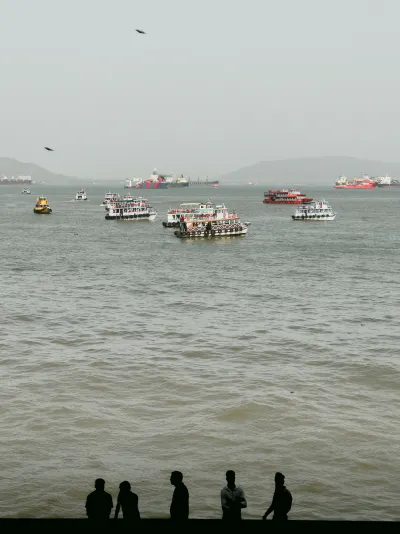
126	353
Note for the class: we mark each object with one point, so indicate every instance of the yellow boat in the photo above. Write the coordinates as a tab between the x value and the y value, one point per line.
41	206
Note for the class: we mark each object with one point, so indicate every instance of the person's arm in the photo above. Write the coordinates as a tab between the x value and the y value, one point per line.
137	507
242	500
224	500
290	502
270	509
87	506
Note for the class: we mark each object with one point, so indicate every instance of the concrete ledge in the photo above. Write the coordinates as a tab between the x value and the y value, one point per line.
76	526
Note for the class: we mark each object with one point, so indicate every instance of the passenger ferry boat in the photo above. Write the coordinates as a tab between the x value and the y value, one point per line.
137	209
314	211
188	209
110	197
42	207
26	191
220	224
285	196
81	195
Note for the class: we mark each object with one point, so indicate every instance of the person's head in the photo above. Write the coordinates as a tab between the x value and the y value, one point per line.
176	478
99	484
230	477
279	479
124	487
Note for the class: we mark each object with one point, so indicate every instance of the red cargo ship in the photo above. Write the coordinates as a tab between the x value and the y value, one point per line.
285	196
358	183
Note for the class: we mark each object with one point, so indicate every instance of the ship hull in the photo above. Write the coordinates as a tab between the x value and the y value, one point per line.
317	218
297	201
42	212
212	184
172	184
211	235
139	217
152	185
171	224
354	186
388	185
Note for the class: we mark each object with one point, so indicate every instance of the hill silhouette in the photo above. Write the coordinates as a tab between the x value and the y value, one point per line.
324	171
11	167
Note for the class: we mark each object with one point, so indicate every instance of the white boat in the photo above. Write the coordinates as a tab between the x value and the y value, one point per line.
314	211
81	195
188	210
26	191
137	209
220	224
110	197
387	181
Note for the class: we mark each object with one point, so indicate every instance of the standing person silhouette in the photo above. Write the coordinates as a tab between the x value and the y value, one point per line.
128	501
179	509
232	499
99	503
282	500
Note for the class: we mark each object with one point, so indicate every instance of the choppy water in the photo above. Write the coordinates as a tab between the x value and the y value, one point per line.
127	353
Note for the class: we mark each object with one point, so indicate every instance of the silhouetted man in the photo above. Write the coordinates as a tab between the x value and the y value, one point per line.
282	500
180	500
99	503
232	499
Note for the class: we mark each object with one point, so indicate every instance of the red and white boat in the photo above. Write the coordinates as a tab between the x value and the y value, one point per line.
358	183
285	196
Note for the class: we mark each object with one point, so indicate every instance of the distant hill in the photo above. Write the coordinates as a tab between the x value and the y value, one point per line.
305	171
11	167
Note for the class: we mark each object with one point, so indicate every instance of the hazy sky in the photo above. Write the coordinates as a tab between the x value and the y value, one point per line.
213	86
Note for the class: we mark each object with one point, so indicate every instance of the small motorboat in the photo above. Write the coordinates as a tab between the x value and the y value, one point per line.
42	207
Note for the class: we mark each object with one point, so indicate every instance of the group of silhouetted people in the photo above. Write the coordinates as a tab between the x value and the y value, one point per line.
99	503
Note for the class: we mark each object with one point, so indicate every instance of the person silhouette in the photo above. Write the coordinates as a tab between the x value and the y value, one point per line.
179	508
99	503
282	500
232	499
128	501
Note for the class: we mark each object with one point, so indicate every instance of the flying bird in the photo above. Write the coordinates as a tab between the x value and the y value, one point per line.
141	31
49	149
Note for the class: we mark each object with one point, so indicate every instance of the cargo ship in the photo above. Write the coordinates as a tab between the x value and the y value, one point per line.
156	181
213	183
387	181
178	182
15	180
358	183
285	196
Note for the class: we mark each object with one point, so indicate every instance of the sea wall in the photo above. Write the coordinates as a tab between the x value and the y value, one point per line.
194	525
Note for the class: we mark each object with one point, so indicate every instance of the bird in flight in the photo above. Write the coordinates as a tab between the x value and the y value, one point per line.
49	149
141	31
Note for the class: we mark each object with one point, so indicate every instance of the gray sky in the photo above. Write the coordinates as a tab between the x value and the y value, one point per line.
215	85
